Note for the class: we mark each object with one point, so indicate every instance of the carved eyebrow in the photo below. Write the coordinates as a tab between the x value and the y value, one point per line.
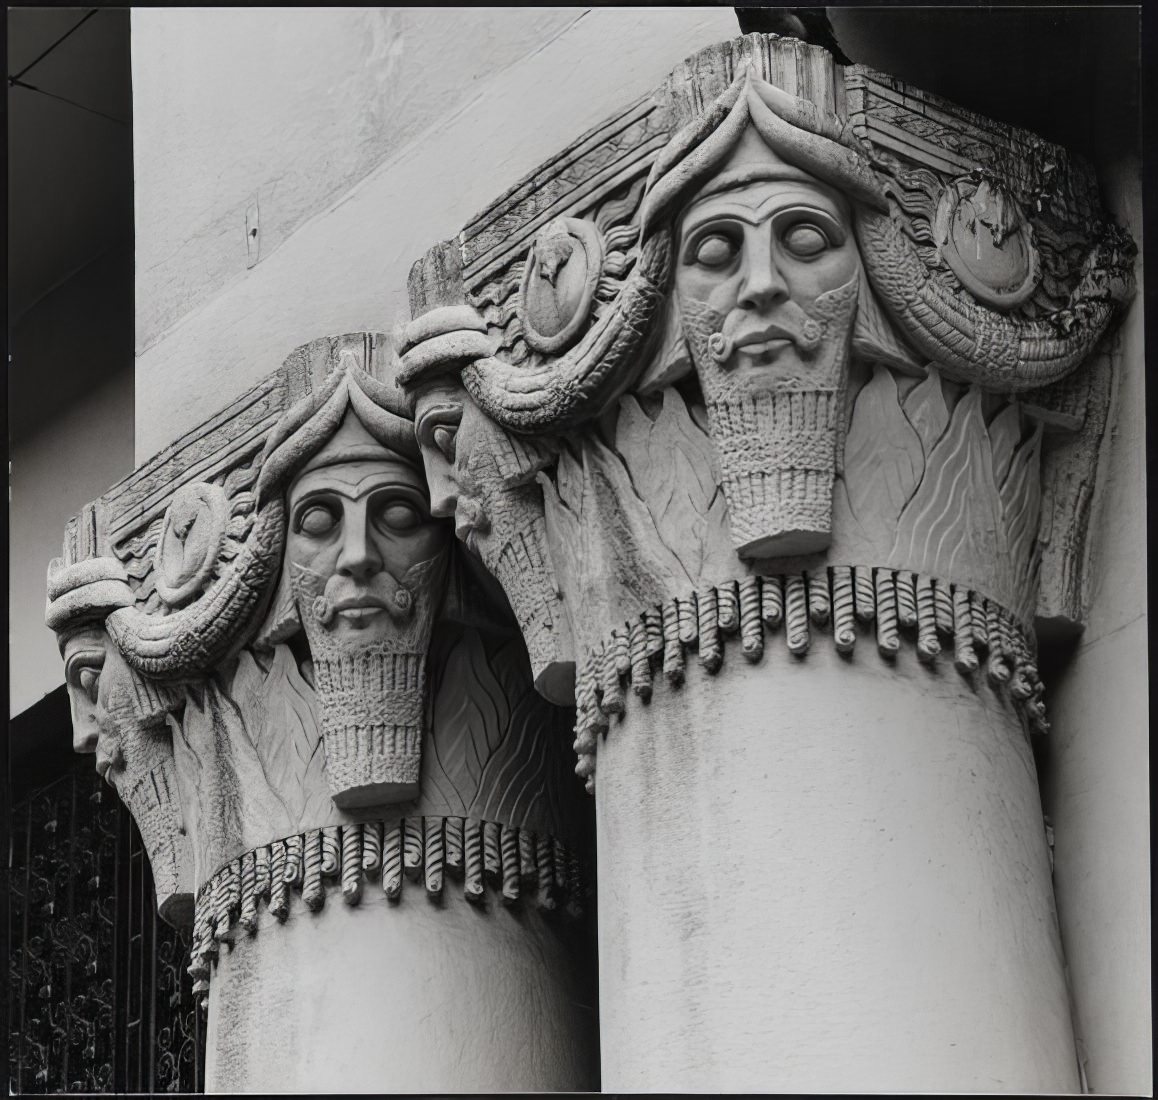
357	492
738	210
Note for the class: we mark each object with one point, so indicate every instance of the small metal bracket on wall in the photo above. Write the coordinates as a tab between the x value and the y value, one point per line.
252	234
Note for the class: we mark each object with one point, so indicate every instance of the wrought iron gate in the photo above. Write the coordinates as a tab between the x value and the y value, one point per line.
98	995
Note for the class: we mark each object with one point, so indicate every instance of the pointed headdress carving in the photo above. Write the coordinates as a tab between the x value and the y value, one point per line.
830	133
190	640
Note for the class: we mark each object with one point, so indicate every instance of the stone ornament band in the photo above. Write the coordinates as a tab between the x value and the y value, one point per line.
518	866
896	604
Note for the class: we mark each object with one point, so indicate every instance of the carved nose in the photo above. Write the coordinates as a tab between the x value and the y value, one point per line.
443	494
84	738
763	285
359	557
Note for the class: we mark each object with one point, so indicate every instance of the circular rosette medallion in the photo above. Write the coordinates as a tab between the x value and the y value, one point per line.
558	285
987	242
190	541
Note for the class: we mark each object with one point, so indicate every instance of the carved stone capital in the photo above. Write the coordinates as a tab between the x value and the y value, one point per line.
271	646
781	315
787	355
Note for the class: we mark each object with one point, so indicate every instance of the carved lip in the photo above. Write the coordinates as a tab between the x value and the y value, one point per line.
353	604
764	347
766	338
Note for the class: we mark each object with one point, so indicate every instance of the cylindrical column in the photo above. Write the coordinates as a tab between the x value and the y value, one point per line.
407	996
827	874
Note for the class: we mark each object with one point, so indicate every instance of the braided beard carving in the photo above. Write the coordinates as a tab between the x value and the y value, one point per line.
372	696
778	440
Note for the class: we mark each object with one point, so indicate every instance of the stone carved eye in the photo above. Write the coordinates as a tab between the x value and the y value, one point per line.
83	670
316	520
445	437
90	679
395	514
714	250
805	240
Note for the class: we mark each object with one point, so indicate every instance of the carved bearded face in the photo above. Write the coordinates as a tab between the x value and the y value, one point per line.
365	564
753	263
357	529
767	275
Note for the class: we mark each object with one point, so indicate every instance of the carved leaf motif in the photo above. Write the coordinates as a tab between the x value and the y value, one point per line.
223	780
529	781
1005	432
611	561
953	527
1021	505
926	409
470	719
672	464
280	712
883	458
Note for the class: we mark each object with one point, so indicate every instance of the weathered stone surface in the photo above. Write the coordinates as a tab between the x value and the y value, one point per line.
812	396
282	673
770	357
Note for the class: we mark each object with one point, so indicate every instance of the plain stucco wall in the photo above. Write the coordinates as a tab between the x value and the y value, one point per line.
70	439
1097	772
366	135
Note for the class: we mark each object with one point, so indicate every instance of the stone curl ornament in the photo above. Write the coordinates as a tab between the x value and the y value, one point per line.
191	536
559	282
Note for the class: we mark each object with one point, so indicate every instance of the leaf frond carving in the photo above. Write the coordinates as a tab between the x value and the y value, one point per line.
883	458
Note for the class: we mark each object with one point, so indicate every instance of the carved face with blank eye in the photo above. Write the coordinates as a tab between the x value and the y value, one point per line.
359	527
751	266
84	658
436	426
443	417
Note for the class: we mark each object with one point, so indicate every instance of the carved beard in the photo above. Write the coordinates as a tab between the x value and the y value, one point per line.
136	760
511	541
778	440
371	695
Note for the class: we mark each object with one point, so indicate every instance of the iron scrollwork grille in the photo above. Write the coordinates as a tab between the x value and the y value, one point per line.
99	999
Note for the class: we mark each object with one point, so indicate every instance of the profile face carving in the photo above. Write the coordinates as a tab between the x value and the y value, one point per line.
483	479
84	658
438	419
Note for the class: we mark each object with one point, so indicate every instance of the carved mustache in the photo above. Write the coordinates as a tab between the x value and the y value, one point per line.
383	591
792	324
398	604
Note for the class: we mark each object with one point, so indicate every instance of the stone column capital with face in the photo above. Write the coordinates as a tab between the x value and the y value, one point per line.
784	326
362	575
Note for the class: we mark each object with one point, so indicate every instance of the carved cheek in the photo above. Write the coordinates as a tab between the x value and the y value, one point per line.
807	281
313	554
717	289
85	730
399	552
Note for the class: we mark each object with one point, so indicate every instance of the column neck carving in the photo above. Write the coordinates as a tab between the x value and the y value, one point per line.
280	663
942	620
